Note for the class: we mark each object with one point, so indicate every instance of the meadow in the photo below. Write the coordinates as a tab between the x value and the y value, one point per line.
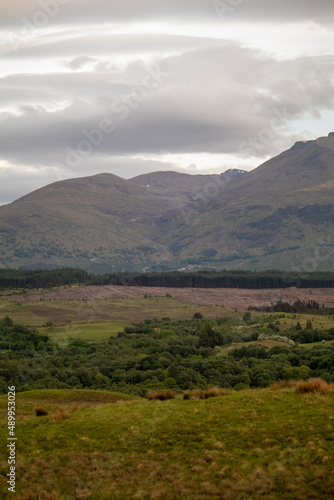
258	444
61	312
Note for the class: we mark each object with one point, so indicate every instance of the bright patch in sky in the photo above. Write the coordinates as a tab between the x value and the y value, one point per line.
205	163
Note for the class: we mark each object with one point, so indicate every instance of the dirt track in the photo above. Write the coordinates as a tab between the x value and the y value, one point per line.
235	298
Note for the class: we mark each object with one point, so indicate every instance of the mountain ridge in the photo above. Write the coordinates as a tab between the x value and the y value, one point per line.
279	215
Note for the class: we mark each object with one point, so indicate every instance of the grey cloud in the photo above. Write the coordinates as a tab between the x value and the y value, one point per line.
16	182
99	45
51	87
210	102
78	62
78	11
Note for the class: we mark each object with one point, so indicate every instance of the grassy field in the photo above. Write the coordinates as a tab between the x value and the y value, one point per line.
128	310
97	320
259	444
90	332
321	322
314	344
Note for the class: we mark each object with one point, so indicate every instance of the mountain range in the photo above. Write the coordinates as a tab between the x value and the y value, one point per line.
278	216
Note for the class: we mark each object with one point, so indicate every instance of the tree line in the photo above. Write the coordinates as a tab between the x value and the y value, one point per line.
23	278
298	307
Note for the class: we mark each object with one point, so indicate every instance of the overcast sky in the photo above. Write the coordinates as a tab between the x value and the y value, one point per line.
134	86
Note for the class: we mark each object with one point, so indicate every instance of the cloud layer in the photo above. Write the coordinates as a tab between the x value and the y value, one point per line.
79	11
82	91
206	100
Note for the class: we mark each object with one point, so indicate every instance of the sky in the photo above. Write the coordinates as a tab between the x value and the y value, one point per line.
134	86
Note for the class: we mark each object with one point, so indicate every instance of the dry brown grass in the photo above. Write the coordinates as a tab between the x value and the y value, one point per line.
313	385
43	495
282	384
60	415
205	394
160	395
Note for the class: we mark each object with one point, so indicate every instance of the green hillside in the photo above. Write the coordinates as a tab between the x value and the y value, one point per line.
260	444
94	223
279	216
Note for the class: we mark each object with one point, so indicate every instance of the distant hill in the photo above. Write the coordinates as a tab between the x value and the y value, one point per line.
95	223
280	216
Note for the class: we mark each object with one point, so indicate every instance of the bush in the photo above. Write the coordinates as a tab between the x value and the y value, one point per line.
205	394
215	392
247	316
160	395
198	315
315	385
41	413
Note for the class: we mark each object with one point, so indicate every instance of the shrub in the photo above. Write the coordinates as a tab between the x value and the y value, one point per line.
247	316
41	413
315	385
160	395
205	393
214	392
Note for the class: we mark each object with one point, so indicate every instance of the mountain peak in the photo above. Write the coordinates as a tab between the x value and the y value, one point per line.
300	145
233	173
322	141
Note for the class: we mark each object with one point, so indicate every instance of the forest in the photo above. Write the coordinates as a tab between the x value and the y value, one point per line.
29	279
175	355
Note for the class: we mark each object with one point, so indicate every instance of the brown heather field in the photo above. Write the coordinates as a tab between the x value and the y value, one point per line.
234	298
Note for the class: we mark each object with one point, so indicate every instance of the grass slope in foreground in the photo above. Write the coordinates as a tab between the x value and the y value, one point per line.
244	445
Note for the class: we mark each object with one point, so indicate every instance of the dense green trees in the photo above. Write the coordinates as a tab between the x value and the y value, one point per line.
220	279
158	355
21	278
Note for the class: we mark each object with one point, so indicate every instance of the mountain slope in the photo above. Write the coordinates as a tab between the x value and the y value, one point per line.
278	216
89	222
